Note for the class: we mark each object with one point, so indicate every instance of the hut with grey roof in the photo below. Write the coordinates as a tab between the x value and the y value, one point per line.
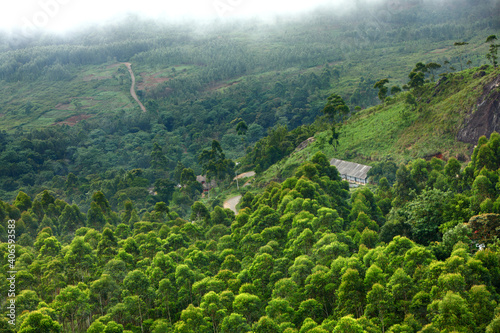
352	172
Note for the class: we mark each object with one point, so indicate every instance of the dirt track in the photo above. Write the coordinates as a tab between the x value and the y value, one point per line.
232	202
245	175
132	87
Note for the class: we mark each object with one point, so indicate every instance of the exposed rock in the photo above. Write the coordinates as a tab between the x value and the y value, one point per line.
486	118
305	143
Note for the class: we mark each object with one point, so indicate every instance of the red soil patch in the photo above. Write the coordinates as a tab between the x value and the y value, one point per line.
69	106
150	81
63	106
95	77
436	155
71	121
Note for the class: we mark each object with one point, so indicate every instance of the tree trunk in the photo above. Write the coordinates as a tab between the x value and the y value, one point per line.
140	313
100	301
168	311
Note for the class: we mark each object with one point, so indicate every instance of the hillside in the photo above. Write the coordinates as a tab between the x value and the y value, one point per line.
305	255
198	82
107	226
449	117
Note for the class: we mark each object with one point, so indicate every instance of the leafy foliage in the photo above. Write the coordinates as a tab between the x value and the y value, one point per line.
304	253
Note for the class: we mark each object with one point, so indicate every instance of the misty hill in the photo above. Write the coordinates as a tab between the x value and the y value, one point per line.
304	255
113	232
198	82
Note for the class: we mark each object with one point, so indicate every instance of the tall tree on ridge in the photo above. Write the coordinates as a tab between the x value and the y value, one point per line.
492	55
460	53
382	89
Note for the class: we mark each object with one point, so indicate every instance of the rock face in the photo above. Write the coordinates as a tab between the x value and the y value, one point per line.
305	143
486	119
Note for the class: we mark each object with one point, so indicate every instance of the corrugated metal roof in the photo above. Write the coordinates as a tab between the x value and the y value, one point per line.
350	168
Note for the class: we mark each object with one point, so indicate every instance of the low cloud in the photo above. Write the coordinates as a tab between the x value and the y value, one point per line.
63	15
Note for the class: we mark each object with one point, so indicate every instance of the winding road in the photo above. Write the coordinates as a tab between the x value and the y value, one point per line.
232	202
132	87
245	175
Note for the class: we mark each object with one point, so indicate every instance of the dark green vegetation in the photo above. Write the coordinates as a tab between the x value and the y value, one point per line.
198	84
303	256
420	123
106	241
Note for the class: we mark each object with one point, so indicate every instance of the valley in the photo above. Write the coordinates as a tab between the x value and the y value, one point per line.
162	176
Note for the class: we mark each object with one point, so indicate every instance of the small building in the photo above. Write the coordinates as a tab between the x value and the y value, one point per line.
207	186
352	172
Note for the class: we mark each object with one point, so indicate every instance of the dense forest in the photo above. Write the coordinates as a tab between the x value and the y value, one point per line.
198	82
305	255
114	233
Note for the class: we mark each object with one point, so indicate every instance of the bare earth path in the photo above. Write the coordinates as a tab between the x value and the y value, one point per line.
245	175
132	87
232	202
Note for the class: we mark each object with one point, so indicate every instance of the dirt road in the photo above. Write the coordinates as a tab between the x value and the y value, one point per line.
245	175
132	87
232	202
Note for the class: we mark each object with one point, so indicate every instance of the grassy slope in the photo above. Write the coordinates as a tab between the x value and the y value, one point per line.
92	86
381	132
99	90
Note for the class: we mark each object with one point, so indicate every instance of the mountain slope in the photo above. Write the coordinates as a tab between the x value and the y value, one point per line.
445	111
198	82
